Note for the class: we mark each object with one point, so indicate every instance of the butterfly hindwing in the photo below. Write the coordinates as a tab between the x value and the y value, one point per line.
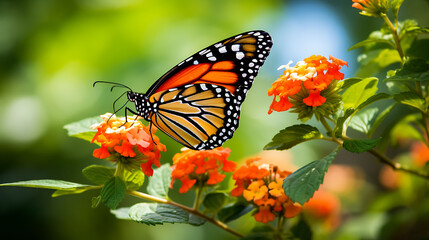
199	116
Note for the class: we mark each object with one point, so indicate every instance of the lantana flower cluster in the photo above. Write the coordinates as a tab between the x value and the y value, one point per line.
128	142
307	85
202	167
262	186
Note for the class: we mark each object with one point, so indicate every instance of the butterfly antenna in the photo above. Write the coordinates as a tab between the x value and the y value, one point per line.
114	103
115	85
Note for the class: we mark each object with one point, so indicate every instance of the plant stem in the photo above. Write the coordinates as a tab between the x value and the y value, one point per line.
394	165
215	222
197	199
397	166
395	36
326	125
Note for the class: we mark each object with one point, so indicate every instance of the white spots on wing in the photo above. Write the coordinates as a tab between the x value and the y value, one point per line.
212	59
222	49
239	55
202	52
235	47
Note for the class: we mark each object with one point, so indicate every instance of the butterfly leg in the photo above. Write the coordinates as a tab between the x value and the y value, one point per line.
127	109
150	130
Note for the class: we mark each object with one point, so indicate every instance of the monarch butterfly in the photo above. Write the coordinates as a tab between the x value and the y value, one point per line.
197	102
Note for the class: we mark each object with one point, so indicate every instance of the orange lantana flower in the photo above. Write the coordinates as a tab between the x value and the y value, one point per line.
420	153
261	184
308	83
205	166
130	143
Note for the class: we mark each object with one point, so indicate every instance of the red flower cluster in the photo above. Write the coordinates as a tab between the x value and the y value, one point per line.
262	185
206	166
314	74
131	140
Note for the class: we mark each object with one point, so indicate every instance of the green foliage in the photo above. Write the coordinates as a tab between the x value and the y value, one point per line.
362	121
301	184
413	70
214	201
154	214
302	230
80	129
411	99
98	174
62	187
373	61
375	37
359	92
160	181
379	119
360	145
133	179
394	7
233	211
113	192
292	136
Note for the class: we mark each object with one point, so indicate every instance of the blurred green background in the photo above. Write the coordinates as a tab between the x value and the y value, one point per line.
52	51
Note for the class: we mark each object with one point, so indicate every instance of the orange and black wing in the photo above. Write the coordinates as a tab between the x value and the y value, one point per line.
199	116
198	102
232	63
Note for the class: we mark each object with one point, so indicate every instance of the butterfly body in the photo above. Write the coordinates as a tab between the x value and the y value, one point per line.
198	102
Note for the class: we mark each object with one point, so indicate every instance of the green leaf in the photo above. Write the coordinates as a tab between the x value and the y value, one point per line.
154	214
339	126
301	184
370	42
98	174
348	82
413	70
411	99
160	181
62	187
360	145
214	201
362	120
95	201
113	192
49	184
133	179
292	136
81	128
376	60
379	119
302	230
121	213
59	193
372	99
359	92
233	211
